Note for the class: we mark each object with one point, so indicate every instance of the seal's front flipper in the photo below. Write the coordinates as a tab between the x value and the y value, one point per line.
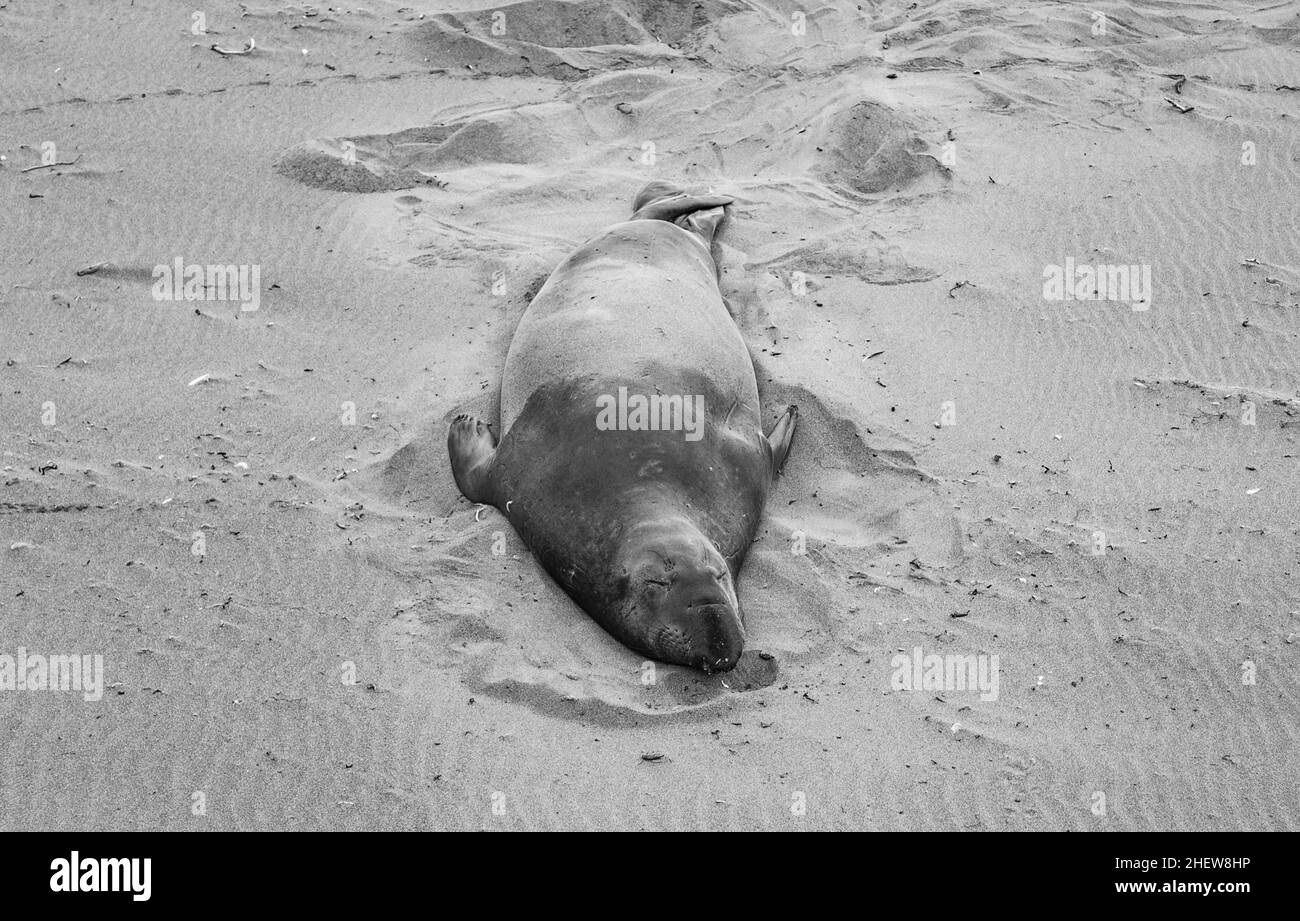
472	449
781	437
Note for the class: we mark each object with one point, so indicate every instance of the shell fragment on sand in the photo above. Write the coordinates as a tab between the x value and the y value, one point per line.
252	43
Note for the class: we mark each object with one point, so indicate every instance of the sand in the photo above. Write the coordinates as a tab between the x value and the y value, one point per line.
249	513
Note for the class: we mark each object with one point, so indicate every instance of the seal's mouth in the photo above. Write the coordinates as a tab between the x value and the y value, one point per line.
708	637
722	636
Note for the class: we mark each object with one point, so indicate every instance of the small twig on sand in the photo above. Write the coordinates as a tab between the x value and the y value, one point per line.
1181	108
48	165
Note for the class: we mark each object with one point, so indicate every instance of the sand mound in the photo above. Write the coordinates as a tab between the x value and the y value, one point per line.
876	152
868	260
339	167
418	156
561	40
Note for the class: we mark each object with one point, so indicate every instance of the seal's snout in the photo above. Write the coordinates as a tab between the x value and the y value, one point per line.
723	636
701	605
709	636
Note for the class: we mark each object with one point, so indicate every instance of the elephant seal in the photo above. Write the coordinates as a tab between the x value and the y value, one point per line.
633	462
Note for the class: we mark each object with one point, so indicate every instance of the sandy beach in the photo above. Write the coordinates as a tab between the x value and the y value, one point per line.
242	503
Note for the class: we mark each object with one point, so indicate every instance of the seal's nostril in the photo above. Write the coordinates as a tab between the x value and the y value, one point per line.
710	665
721	664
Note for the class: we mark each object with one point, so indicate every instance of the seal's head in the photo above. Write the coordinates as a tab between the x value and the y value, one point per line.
679	603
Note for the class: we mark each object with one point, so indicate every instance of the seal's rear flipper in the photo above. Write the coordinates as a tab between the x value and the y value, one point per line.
663	201
705	223
781	437
472	449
